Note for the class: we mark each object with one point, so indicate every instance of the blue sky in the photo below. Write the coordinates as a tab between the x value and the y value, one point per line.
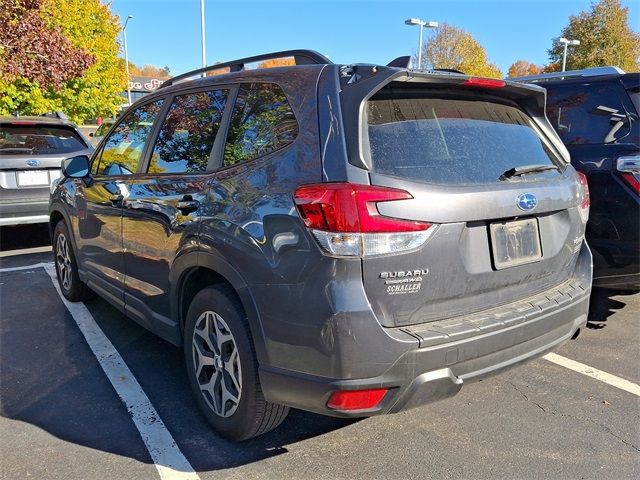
167	32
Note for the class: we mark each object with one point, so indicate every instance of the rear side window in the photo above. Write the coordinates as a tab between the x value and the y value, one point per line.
587	113
38	140
186	138
123	148
262	122
450	141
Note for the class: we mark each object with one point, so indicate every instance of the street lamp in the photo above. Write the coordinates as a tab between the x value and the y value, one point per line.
204	55
126	56
566	43
421	24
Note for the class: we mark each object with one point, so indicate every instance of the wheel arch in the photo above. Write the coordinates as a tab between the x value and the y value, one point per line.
199	270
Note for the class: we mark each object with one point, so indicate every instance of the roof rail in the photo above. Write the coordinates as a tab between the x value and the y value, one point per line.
587	72
301	57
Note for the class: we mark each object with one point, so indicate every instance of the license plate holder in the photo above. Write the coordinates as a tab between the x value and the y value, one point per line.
515	242
33	178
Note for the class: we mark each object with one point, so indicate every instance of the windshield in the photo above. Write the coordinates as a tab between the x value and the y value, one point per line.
452	141
38	140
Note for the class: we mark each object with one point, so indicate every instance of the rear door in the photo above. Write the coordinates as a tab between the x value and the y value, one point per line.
498	235
99	203
30	157
167	198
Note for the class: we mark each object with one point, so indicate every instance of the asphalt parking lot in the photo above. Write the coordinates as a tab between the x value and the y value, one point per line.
63	418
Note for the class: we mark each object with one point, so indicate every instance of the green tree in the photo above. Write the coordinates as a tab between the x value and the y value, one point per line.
89	26
605	39
455	48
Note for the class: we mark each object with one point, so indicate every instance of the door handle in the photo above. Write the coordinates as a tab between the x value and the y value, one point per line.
116	200
187	205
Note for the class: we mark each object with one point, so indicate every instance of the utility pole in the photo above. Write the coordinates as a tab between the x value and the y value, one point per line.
204	53
126	57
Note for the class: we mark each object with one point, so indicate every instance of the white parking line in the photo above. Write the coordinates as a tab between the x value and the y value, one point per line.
165	453
25	251
605	377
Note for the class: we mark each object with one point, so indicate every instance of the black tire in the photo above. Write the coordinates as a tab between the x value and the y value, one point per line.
73	289
251	415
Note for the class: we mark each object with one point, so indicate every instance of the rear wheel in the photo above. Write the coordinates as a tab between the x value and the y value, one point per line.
223	369
74	289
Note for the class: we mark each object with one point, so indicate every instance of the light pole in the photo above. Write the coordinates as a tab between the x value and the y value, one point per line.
421	24
126	56
566	43
204	55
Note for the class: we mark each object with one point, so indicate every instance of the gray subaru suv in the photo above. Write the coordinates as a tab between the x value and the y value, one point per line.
350	240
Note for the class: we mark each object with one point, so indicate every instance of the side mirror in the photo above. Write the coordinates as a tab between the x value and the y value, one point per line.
76	167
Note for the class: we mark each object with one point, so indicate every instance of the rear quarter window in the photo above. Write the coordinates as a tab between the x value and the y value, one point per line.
38	140
451	141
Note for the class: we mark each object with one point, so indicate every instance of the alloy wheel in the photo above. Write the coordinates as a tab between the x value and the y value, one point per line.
63	261
217	364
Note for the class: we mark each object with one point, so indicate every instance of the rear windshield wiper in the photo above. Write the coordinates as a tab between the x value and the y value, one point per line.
524	170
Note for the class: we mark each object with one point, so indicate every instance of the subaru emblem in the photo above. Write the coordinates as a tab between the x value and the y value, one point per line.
526	201
33	162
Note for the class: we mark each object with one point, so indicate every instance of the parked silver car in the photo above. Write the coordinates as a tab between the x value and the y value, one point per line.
31	150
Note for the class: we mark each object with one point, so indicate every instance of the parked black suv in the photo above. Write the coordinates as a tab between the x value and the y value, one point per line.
346	239
595	112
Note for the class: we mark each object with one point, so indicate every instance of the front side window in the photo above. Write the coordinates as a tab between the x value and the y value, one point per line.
587	114
451	140
262	122
122	149
186	137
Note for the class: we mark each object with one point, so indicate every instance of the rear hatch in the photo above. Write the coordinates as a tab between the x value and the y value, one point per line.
31	154
487	172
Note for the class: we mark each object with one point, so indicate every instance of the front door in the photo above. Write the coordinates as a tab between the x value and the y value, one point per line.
99	229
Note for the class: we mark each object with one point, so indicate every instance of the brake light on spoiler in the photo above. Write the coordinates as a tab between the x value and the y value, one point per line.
484	82
345	221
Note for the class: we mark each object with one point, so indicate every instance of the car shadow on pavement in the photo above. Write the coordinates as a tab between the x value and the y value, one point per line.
601	306
49	378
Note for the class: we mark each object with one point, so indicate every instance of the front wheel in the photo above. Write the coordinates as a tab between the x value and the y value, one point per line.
222	367
74	289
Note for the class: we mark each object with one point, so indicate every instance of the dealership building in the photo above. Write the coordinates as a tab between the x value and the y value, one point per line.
141	86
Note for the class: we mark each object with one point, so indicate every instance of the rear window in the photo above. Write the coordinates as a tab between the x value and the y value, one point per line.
587	114
451	141
38	140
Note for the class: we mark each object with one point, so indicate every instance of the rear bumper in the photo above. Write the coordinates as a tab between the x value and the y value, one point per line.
446	355
18	213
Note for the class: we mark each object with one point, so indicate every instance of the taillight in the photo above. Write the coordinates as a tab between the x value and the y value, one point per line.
629	168
356	399
345	221
585	198
484	82
631	180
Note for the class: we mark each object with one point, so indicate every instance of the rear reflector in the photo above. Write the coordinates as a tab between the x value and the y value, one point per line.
484	82
356	399
345	221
